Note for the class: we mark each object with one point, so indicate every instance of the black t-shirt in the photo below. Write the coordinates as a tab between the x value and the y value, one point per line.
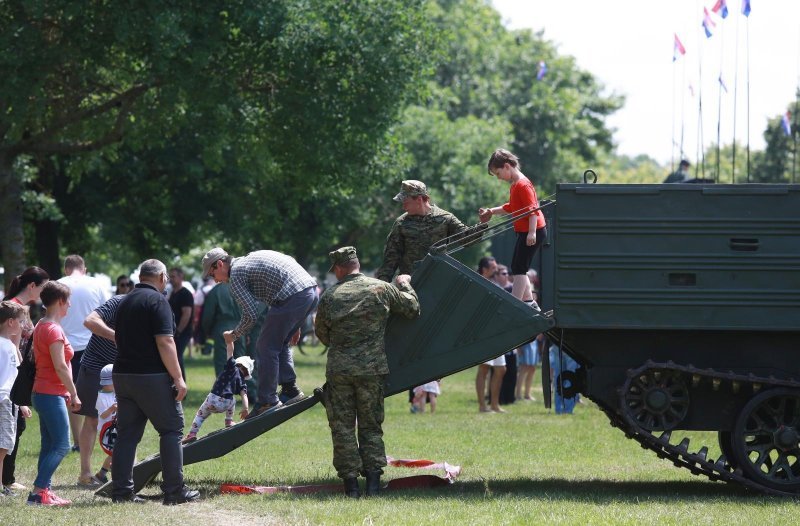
142	315
179	299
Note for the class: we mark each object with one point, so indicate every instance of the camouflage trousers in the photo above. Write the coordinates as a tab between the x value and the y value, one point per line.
350	400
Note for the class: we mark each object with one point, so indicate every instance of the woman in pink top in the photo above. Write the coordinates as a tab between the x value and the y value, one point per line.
53	390
24	290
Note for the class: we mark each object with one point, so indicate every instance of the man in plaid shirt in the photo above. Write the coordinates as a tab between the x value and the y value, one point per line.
291	294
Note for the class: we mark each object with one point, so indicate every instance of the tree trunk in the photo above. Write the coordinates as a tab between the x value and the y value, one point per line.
12	236
47	247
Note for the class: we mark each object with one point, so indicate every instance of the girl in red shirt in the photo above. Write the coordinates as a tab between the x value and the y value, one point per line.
53	391
531	230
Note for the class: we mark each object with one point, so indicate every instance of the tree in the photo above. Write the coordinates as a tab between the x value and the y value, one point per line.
558	122
778	164
285	88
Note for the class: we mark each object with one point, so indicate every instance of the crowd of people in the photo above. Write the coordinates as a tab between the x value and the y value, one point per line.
96	361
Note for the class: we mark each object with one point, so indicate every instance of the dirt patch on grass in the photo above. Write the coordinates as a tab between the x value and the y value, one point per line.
207	514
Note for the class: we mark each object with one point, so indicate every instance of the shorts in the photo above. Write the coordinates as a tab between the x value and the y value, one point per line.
8	425
75	364
523	254
88	385
500	361
528	354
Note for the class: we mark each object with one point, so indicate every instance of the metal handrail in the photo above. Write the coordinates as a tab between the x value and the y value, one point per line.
460	241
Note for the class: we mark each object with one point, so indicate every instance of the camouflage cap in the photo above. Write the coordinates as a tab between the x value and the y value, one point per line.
341	256
411	188
211	257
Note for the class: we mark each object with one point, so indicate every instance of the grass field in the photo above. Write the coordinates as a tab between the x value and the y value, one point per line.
524	467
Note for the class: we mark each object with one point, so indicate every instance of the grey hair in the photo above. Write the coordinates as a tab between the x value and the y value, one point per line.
152	267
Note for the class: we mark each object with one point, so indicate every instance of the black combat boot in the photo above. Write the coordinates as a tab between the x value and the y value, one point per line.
373	483
351	488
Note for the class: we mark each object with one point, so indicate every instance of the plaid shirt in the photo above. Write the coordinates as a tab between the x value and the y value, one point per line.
266	276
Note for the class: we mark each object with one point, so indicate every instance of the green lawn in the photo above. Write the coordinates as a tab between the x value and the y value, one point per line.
527	466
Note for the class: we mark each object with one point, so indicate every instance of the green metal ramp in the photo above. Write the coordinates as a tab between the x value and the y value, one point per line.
465	320
218	443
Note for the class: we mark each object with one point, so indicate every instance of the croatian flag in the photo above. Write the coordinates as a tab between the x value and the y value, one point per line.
542	70
787	127
746	7
677	49
708	23
721	8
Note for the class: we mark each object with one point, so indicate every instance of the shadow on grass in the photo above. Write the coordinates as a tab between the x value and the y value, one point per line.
593	491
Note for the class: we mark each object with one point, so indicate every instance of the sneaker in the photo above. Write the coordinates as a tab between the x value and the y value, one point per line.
260	409
75	449
102	477
181	497
47	498
130	497
290	395
188	439
6	492
89	482
16	486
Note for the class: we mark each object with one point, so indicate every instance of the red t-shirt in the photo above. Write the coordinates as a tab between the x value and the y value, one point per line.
47	381
521	199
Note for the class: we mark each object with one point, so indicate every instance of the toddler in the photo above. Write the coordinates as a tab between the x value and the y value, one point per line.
221	398
11	315
106	412
430	391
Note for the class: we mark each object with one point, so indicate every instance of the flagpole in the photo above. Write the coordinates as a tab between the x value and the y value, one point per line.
735	93
701	154
683	108
719	100
747	50
672	146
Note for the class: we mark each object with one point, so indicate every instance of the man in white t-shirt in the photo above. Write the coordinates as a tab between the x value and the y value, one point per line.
87	293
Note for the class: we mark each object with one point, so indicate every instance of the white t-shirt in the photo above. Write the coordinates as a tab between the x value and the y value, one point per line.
104	401
8	366
88	293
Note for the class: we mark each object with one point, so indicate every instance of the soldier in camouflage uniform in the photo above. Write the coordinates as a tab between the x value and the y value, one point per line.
351	320
414	232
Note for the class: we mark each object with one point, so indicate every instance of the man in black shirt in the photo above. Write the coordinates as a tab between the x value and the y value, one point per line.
181	301
149	386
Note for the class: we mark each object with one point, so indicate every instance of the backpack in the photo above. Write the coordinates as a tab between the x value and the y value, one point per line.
108	436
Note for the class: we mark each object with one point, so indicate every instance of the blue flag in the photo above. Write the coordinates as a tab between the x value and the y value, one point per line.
542	70
746	7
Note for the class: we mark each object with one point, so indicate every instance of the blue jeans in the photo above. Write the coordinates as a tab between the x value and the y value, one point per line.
54	430
274	359
562	405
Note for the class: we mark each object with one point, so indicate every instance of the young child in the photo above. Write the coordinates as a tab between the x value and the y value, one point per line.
11	315
221	398
531	231
106	411
430	391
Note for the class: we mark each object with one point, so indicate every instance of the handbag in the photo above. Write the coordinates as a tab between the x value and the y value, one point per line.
26	374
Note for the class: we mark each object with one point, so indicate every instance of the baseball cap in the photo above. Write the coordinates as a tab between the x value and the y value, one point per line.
341	256
211	257
411	188
105	375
